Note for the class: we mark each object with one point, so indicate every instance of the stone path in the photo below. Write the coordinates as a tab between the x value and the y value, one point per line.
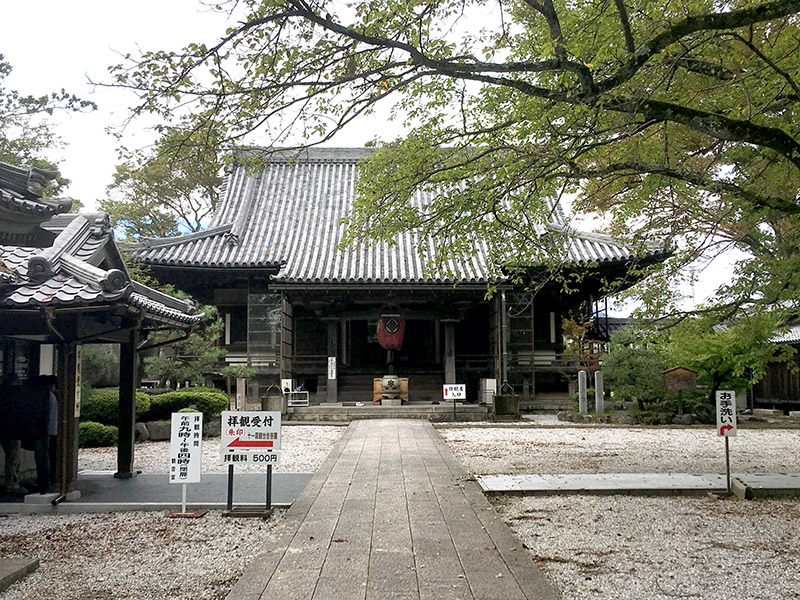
761	484
392	515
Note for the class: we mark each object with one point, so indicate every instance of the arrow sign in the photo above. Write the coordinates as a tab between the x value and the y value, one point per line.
455	391
240	443
250	437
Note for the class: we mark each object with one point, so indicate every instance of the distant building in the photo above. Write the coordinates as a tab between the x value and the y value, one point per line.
302	310
780	386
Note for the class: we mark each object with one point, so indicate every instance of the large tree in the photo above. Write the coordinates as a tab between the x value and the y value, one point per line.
171	188
672	120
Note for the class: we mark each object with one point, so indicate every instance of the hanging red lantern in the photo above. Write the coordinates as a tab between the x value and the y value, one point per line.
390	332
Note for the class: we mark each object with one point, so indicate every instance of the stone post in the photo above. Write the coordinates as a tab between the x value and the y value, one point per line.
599	398
449	352
333	346
583	404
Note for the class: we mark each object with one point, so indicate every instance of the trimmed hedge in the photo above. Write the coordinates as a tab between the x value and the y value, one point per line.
210	402
93	435
102	406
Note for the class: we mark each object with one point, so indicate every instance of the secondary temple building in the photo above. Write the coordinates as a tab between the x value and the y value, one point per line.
63	284
304	312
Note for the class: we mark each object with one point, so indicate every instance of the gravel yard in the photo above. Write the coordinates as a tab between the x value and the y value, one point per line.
142	556
303	448
591	547
631	547
598	449
145	555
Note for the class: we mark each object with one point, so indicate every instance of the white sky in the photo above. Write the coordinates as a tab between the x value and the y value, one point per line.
53	45
61	44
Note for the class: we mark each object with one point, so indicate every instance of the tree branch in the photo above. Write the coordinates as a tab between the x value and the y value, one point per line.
630	45
694	24
714	125
713	185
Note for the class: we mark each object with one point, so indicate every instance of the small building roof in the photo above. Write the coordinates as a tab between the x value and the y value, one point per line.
289	216
790	336
70	260
22	209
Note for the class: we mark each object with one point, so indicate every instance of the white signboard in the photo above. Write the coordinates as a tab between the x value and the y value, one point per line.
186	448
331	367
726	413
454	391
250	437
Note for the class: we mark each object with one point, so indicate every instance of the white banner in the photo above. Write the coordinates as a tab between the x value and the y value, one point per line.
331	367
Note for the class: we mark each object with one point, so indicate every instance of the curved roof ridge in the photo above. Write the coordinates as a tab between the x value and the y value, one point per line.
152	243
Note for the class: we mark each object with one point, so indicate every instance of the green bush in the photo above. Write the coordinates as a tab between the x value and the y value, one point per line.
93	435
102	406
188	410
209	401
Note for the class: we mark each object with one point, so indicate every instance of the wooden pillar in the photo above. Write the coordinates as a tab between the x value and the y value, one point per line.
69	412
128	374
449	352
333	345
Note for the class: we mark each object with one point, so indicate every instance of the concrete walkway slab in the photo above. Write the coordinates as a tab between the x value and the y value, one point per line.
634	483
13	569
101	492
390	515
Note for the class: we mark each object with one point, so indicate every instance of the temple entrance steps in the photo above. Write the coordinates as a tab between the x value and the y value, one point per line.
355	387
546	402
350	411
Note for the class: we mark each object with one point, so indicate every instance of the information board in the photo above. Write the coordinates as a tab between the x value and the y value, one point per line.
250	437
186	448
726	413
454	391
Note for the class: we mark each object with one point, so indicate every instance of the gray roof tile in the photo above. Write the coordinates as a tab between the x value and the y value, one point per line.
70	275
288	216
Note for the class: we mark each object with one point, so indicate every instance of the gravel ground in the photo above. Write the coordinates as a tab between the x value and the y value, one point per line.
303	448
145	555
633	547
591	547
130	555
598	449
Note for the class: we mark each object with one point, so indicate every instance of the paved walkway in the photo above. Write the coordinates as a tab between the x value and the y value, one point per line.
761	484
391	515
104	493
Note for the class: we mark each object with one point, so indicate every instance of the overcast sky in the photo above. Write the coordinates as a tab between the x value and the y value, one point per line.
53	45
61	44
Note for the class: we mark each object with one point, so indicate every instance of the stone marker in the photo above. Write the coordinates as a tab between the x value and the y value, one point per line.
583	407
599	399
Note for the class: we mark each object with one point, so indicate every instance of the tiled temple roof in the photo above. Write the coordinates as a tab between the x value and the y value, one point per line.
62	260
288	217
791	336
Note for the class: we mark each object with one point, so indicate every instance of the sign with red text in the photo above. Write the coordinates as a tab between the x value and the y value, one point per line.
186	448
454	391
250	437
726	413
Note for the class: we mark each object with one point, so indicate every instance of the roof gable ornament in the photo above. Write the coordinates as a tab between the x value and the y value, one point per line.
232	239
22	210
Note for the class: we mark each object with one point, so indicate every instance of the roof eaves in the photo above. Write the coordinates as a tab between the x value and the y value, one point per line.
156	311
